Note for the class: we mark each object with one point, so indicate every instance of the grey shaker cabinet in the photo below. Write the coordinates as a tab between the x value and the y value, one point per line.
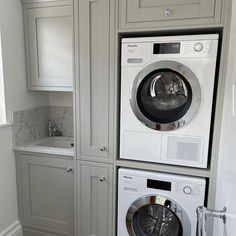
46	191
95	198
94	79
48	43
164	13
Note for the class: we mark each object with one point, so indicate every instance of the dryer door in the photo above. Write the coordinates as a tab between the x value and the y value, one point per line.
166	95
156	215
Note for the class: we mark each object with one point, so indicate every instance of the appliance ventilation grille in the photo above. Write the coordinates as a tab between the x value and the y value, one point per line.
184	148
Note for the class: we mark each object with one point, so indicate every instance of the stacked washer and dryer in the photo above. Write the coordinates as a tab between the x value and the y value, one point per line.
167	86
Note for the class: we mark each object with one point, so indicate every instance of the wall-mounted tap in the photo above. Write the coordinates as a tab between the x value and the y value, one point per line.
52	129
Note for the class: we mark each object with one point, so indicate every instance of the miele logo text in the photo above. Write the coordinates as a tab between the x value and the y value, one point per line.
127	177
132	46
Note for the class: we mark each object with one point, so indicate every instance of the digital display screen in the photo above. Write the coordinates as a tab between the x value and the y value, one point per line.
166	48
157	184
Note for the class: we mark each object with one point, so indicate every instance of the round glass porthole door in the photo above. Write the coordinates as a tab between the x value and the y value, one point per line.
146	217
165	95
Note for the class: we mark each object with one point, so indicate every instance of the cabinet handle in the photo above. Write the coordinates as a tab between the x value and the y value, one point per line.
69	169
168	12
102	148
102	178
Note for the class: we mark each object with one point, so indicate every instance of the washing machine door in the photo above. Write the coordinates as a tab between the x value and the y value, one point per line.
165	95
157	215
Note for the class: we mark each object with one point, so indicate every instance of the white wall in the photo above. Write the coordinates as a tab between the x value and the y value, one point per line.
8	197
226	179
17	98
11	26
64	99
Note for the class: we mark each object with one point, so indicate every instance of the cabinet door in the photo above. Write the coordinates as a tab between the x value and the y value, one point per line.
151	13
94	39
47	192
50	48
95	199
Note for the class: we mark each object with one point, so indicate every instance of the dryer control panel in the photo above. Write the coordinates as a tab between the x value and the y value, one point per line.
139	51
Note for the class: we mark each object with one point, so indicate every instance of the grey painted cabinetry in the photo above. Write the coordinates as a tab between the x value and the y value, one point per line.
161	13
94	116
94	108
95	208
46	192
48	42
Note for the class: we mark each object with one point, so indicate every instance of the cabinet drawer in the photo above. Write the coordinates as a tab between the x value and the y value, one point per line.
149	13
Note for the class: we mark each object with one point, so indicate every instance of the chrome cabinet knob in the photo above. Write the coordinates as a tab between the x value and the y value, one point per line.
168	12
69	169
102	178
102	148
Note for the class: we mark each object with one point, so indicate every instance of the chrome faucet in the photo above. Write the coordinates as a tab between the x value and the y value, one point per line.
52	129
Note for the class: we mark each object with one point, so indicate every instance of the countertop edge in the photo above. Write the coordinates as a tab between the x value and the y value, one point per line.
46	150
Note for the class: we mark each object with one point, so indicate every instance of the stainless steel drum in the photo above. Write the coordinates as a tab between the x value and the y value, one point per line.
157	215
156	220
166	95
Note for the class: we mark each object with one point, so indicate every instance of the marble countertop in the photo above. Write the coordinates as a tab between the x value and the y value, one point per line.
54	146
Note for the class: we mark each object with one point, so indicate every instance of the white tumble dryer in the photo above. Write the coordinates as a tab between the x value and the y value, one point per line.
167	88
152	203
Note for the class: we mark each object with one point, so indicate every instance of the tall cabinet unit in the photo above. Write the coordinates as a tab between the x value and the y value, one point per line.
94	100
150	17
95	73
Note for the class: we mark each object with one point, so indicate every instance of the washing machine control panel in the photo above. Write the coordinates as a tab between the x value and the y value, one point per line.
188	189
131	184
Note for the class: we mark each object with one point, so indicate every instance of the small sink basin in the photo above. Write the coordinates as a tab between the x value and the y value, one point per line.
57	142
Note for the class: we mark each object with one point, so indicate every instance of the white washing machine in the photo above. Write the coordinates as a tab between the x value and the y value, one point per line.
152	203
167	88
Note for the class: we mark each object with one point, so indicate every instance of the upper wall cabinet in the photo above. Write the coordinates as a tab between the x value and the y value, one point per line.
95	79
164	13
48	39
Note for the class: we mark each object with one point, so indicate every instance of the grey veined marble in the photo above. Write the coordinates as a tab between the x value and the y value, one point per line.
30	125
63	118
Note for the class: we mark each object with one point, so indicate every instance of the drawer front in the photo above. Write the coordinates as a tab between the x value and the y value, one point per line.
156	12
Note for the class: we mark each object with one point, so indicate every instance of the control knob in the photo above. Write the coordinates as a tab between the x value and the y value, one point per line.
187	189
198	47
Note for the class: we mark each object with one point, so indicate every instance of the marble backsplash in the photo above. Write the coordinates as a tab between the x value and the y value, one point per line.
32	124
63	118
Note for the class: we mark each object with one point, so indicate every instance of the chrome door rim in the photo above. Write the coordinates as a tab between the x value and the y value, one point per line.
192	80
148	199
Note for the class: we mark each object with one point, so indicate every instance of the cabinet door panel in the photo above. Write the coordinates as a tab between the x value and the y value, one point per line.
151	13
50	47
47	190
94	77
149	10
96	196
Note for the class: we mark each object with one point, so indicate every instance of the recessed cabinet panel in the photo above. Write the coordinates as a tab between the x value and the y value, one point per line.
94	67
47	192
150	13
54	63
50	48
96	197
